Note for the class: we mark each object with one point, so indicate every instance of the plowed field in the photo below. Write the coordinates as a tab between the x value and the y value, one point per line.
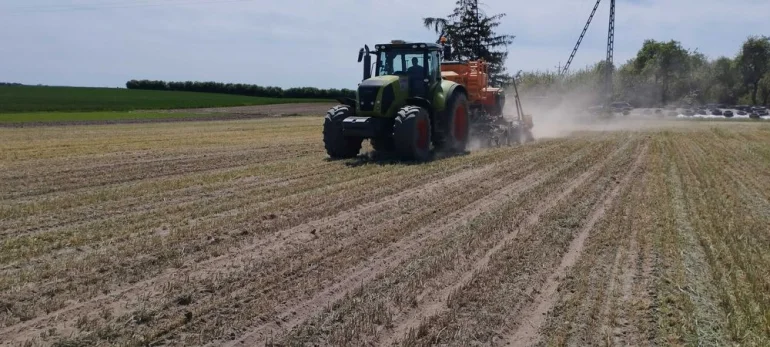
242	233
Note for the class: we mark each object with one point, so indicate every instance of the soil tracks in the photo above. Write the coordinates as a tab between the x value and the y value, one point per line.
535	316
272	243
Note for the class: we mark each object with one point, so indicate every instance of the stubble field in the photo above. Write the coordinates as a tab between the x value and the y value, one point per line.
242	233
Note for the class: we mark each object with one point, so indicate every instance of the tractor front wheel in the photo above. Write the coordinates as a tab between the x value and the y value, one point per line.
339	146
411	133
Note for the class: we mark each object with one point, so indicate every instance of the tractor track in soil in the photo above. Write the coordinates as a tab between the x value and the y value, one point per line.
134	292
267	246
170	200
126	208
438	304
244	234
385	259
534	317
160	207
388	259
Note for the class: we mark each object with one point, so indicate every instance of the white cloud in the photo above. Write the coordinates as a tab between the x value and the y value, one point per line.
309	42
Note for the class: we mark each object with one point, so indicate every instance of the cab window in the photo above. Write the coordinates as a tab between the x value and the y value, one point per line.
433	67
399	62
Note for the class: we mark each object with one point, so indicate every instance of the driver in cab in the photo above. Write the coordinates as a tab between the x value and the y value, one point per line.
414	71
415	74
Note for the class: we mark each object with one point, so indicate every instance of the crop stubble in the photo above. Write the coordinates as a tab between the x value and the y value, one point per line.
242	233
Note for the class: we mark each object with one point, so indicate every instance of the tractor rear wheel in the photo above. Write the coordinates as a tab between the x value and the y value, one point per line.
411	133
339	146
457	123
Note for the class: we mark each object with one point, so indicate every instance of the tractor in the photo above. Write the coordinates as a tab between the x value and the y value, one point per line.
416	101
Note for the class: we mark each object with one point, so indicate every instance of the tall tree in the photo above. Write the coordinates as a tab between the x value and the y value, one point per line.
764	89
667	63
471	34
726	81
754	62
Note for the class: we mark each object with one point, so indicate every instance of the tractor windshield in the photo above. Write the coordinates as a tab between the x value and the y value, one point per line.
401	62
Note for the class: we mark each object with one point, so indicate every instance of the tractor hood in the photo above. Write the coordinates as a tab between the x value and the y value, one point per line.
377	96
379	81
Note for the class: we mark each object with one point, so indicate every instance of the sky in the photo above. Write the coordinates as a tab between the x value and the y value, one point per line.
293	43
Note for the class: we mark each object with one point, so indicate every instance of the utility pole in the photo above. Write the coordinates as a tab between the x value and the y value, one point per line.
580	39
610	48
478	30
609	64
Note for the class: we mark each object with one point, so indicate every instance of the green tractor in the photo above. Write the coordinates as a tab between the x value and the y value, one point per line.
405	107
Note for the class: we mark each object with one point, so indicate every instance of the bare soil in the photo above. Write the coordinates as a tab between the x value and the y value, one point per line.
243	233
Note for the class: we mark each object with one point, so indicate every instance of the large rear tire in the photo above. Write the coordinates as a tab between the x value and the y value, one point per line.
339	146
457	124
412	133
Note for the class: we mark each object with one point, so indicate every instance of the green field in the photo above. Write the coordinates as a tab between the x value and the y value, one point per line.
21	99
107	116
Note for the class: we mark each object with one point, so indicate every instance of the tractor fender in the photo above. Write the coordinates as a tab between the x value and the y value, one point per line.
348	101
450	95
419	101
456	88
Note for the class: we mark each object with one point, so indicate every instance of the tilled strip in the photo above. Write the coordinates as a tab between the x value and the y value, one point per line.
477	310
439	305
212	264
527	334
294	313
382	284
82	214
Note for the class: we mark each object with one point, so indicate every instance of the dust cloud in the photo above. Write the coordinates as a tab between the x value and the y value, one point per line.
566	116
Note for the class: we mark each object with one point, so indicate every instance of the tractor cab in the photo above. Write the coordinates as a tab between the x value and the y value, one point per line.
416	66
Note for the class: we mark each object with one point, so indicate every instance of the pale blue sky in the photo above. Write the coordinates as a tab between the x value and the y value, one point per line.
290	43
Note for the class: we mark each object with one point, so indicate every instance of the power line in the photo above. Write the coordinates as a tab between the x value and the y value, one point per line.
110	6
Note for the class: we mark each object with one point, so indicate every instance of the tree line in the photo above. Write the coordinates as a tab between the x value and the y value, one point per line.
241	89
664	73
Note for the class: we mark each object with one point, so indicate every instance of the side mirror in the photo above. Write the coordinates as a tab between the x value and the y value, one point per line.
367	66
360	54
447	52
